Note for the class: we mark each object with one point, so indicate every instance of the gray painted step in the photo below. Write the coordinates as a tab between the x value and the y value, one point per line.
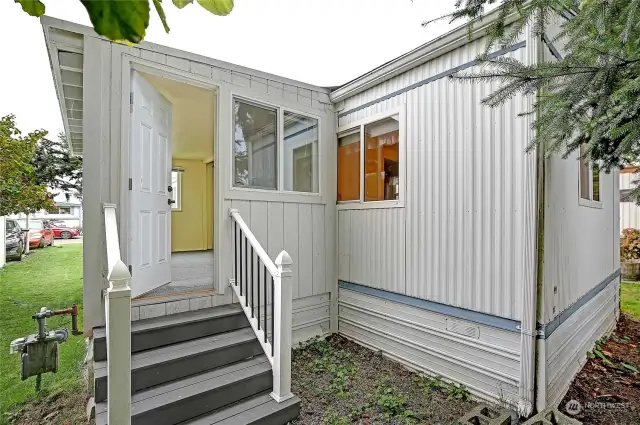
188	398
259	409
147	334
165	364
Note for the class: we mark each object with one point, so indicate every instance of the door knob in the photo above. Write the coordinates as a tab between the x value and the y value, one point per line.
170	201
170	189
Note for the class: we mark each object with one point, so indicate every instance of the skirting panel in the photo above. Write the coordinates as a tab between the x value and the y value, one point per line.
566	348
485	359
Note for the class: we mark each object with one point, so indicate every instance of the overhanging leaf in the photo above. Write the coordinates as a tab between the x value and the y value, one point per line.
119	20
181	3
217	7
157	4
32	7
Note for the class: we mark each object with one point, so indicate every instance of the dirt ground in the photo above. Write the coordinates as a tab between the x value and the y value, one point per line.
340	382
608	387
60	408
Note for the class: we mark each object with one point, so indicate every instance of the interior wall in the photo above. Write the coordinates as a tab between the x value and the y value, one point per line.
209	204
189	225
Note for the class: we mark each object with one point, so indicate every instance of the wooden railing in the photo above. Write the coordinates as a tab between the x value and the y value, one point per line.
263	288
118	325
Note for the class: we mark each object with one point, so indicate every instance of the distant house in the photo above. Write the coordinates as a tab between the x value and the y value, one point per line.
629	211
68	211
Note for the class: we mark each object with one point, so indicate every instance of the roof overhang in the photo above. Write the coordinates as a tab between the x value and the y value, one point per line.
65	49
425	53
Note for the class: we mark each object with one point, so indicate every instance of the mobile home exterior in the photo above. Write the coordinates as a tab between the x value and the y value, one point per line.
446	245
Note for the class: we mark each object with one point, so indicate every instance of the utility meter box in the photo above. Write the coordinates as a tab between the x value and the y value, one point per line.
40	355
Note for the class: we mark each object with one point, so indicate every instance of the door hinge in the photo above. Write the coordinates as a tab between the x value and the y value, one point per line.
131	101
130	270
130	183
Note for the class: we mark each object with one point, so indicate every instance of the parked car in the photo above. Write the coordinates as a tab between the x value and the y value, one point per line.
14	240
40	233
61	230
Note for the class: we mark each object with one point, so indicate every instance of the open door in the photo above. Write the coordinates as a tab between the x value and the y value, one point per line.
150	201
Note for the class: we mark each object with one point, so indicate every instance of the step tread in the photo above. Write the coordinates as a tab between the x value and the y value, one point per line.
244	411
166	354
161	395
176	319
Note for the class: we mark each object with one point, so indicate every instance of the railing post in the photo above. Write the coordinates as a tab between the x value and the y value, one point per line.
118	319
282	329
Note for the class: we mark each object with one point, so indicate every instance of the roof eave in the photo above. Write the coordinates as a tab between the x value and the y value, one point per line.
428	51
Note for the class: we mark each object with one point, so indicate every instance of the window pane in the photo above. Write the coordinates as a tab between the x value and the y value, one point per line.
175	190
596	183
349	167
300	153
382	165
255	146
584	175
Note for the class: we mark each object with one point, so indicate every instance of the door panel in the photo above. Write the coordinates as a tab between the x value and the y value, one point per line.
150	148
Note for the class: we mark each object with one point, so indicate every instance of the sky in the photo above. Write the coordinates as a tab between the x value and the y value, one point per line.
321	42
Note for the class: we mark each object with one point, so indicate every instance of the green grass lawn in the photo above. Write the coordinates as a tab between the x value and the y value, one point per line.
630	298
50	277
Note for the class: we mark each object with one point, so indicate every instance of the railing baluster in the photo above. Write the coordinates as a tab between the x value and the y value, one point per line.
253	272
240	281
273	292
265	303
258	285
246	280
235	251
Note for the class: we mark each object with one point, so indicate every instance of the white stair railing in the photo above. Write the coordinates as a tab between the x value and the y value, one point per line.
118	322
263	288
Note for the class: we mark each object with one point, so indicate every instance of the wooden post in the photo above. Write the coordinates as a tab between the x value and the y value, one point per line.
118	319
282	316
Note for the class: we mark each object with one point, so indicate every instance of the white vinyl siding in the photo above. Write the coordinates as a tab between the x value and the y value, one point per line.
468	223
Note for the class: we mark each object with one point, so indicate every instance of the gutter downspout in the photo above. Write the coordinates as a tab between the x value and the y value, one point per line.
534	286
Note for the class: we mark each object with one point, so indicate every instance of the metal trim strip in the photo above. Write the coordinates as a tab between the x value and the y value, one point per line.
509	325
433	78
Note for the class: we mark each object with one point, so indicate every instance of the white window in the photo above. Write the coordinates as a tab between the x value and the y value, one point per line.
275	149
300	153
589	181
176	190
64	210
370	160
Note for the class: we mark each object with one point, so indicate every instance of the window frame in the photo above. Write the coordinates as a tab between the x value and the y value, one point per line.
590	203
345	129
314	197
178	202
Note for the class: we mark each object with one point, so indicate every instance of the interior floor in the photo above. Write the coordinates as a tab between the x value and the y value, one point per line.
190	271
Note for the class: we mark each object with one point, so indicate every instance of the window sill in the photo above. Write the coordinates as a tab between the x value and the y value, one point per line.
589	203
370	205
248	194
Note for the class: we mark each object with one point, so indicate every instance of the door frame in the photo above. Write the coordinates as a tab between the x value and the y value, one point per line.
132	63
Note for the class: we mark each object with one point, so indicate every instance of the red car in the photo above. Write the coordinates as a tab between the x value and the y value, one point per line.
60	230
40	235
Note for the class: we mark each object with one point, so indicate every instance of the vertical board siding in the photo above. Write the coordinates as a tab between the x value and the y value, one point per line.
470	193
297	228
629	211
575	257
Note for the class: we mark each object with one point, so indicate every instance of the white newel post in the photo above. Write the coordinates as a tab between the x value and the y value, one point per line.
282	329
118	319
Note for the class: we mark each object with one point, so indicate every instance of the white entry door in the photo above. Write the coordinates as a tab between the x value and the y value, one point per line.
150	168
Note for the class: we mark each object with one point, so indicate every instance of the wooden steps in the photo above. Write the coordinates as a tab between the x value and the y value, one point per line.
201	368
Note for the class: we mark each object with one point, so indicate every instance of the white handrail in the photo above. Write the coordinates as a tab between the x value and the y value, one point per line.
118	325
262	254
278	351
